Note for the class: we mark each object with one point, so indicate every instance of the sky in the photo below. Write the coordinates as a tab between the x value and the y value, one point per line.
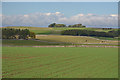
60	0
41	14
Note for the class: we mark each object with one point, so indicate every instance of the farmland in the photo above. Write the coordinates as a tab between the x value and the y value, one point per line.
29	43
74	39
30	58
75	62
45	40
59	40
45	30
57	31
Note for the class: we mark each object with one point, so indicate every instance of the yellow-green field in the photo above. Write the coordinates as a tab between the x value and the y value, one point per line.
74	39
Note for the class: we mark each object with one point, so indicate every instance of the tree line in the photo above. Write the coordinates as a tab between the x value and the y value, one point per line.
10	33
77	32
63	25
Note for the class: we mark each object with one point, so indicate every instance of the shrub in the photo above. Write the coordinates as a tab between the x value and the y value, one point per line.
11	33
77	32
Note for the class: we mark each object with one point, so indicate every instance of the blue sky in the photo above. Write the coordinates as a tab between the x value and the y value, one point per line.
44	13
67	8
60	0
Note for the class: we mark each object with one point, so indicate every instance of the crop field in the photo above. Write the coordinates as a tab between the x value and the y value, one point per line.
74	39
56	62
60	40
33	43
52	55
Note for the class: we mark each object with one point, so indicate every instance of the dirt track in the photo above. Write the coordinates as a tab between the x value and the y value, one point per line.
70	46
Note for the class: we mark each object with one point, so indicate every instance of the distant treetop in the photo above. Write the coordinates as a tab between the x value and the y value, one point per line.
63	25
77	25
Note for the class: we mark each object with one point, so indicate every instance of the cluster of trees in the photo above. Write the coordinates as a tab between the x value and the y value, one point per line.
10	33
77	25
57	25
77	32
106	28
63	25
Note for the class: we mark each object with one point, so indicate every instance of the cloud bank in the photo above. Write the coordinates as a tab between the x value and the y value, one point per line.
44	19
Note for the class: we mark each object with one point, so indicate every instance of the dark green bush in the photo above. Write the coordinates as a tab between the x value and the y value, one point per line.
11	33
77	32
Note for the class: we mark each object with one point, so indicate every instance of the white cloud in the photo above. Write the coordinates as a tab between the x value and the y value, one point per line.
44	19
89	14
26	15
48	14
114	15
57	12
0	15
80	15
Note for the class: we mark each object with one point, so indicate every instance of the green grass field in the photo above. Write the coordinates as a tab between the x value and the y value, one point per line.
29	43
29	62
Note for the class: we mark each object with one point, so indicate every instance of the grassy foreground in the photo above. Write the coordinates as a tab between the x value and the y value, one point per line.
29	62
